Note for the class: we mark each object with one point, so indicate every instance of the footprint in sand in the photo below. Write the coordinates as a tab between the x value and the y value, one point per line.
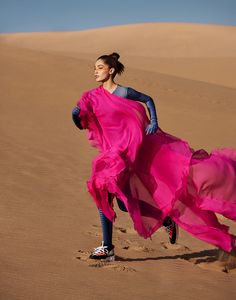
170	246
95	231
112	266
129	245
139	248
128	230
131	230
120	229
84	256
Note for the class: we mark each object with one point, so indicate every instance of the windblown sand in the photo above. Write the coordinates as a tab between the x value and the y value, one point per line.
48	221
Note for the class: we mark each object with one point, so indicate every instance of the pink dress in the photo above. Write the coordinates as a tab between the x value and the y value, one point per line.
156	175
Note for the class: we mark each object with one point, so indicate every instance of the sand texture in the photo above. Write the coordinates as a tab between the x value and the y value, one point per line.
48	221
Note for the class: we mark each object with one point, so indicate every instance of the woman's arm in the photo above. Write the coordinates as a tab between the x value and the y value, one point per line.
135	95
76	118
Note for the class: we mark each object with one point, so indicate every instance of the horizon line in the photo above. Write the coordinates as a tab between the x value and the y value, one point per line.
117	25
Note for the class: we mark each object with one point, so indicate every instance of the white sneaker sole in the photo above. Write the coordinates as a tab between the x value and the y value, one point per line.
108	259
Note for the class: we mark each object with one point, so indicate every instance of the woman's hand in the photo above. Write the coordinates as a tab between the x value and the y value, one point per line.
152	127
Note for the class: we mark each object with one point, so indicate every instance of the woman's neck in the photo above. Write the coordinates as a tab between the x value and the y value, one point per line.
109	86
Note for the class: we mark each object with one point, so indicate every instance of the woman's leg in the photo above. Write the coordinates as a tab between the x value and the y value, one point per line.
105	252
106	229
121	205
170	226
107	226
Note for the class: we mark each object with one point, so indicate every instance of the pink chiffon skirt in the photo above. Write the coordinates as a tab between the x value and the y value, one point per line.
157	175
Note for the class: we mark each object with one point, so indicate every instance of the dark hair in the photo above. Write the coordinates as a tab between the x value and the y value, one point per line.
112	61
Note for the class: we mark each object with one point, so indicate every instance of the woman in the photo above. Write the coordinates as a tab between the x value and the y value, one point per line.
106	68
155	176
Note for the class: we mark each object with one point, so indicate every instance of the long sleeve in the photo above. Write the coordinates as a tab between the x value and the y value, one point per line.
76	118
138	96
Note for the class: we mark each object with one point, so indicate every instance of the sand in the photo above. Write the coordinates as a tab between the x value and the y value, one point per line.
48	221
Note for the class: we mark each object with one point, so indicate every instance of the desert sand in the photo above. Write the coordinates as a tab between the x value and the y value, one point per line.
48	221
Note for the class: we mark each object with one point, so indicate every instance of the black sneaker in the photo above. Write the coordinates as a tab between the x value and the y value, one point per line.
172	229
103	253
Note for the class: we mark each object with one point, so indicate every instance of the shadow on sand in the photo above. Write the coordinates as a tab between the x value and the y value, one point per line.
219	259
206	255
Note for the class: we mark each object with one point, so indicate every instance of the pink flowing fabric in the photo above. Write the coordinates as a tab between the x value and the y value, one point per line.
156	175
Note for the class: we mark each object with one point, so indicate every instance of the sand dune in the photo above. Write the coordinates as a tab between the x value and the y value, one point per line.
48	221
183	50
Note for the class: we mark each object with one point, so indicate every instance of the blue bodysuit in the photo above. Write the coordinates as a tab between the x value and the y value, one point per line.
132	94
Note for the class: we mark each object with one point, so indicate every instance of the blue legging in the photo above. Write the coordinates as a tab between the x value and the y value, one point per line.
107	224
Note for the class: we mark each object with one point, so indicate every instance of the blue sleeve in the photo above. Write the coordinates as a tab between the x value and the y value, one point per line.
137	96
76	118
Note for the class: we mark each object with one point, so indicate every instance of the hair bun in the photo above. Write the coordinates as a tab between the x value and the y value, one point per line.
115	55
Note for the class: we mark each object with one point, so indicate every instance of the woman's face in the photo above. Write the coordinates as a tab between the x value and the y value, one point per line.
102	72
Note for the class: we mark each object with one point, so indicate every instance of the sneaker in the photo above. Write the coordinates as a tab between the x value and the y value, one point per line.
172	229
103	253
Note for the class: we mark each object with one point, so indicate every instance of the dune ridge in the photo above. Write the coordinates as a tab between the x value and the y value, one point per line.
178	49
